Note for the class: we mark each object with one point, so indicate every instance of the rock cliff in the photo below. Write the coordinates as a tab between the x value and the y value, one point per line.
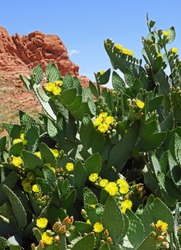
22	53
18	55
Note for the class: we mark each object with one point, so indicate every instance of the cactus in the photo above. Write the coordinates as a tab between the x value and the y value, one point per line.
100	168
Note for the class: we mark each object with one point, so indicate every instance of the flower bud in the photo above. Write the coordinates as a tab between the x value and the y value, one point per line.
57	238
109	240
152	234
56	226
63	229
66	221
41	245
160	238
106	233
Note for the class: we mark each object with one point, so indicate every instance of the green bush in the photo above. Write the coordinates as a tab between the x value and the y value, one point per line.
100	168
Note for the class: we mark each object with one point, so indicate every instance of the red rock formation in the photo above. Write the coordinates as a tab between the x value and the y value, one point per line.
22	53
18	55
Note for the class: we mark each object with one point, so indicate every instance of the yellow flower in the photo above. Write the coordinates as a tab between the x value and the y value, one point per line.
166	33
103	115
53	169
139	104
103	127
17	161
15	141
69	166
103	182
126	204
26	185
123	186
35	188
49	166
118	46
55	152
127	52
174	50
98	227
59	83
56	90
93	177
111	188
22	137
109	119
97	121
161	226
93	205
49	86
48	240
88	222
41	222
159	55
103	121
101	72
38	153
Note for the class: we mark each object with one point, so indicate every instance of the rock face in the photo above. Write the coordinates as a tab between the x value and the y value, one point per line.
18	56
22	53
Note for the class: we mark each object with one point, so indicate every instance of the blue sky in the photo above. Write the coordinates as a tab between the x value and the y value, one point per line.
84	25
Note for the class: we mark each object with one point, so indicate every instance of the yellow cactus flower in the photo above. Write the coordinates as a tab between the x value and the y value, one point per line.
103	127
38	153
126	204
93	177
53	169
139	104
48	240
98	227
35	188
93	205
103	121
17	161
59	83
49	86
174	50
111	188
101	72
166	33
69	166
103	182
109	119
97	121
56	90
103	115
127	52
22	137
161	226
159	55
88	222
15	141
41	223
118	46
49	166
123	186
55	152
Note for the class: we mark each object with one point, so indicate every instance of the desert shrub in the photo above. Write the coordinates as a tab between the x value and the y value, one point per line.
100	169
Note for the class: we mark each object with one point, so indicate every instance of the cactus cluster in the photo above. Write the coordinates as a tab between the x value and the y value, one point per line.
100	169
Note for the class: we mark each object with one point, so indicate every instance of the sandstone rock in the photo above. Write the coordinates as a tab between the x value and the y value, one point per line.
18	53
18	56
